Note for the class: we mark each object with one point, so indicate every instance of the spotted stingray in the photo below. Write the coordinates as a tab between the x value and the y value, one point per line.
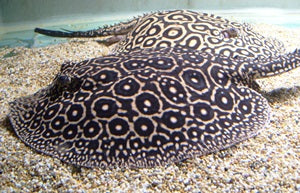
147	108
190	29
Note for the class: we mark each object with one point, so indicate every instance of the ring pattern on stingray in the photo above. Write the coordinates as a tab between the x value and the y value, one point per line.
198	31
195	30
179	85
146	108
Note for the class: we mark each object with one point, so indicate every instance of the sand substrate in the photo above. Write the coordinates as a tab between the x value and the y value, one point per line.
269	162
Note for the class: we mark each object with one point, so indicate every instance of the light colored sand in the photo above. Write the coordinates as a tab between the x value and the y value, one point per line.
269	162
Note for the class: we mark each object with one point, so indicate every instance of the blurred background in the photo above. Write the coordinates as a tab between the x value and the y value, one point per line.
18	18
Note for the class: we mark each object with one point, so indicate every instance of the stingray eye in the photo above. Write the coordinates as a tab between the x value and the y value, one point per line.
232	30
63	80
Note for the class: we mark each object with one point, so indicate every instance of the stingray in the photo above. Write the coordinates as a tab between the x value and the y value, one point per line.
147	108
194	30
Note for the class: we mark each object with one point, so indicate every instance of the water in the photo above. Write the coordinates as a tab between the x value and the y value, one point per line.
27	38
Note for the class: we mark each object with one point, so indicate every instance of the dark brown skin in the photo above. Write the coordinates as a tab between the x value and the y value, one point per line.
147	108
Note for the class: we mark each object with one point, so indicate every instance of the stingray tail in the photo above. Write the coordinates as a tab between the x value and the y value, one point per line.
117	29
278	65
272	66
69	34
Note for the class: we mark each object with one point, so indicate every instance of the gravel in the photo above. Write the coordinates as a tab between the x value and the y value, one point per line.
269	162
